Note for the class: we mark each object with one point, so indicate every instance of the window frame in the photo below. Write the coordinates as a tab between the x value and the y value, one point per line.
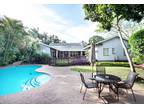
113	51
105	51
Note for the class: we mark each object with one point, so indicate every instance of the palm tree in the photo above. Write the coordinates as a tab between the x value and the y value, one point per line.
12	31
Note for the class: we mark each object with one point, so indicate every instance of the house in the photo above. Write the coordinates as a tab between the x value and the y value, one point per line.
109	50
72	52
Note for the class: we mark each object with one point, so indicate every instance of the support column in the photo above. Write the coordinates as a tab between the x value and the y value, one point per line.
56	53
81	53
69	57
63	54
69	54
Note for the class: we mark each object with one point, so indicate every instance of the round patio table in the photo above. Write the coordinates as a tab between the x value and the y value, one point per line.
107	79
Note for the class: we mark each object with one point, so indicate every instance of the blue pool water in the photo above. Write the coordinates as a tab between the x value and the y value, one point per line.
20	78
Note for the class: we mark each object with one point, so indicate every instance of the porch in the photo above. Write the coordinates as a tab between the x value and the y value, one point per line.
68	57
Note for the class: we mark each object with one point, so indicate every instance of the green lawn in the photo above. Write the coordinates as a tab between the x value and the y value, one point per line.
118	71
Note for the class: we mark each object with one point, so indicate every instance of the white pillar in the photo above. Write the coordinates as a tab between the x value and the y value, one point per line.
69	54
81	54
56	53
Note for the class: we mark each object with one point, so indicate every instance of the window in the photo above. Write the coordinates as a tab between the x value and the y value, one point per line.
105	51
124	52
75	54
60	54
113	50
65	54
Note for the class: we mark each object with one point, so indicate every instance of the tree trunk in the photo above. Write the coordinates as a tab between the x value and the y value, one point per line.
126	50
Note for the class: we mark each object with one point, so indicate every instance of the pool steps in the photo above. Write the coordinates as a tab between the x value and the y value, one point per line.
31	83
34	82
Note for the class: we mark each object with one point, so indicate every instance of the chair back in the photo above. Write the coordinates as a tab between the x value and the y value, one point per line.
82	79
100	70
131	78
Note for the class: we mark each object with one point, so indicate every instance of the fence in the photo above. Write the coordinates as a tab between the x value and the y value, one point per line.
69	61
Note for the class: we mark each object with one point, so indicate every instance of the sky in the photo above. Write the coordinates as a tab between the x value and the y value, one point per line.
64	20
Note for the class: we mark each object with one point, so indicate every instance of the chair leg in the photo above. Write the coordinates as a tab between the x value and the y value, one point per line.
133	95
92	75
81	88
126	93
117	93
84	93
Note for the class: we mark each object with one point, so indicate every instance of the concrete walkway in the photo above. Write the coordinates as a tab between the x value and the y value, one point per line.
63	88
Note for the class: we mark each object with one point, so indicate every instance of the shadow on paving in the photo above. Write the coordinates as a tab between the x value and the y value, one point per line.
109	99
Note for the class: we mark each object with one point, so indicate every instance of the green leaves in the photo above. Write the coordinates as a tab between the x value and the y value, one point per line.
95	39
44	37
106	14
136	42
14	42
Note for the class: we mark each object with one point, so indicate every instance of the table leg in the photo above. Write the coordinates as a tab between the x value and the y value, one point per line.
100	89
114	89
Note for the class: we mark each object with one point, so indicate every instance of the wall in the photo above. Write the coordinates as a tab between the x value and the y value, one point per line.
113	43
45	49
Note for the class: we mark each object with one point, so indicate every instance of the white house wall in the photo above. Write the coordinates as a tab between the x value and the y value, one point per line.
113	43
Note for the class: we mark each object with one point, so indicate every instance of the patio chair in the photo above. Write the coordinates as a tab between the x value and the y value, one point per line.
99	70
128	84
88	85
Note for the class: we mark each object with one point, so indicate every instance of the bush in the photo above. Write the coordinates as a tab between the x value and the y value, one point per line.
62	62
68	62
123	64
40	59
136	42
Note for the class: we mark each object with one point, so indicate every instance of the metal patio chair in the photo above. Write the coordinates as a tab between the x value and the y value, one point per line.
128	83
99	70
87	85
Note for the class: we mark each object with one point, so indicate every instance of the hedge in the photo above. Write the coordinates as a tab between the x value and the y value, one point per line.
123	64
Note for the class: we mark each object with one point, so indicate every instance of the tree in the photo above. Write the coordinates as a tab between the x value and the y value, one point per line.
95	39
44	37
11	32
34	32
110	15
136	42
54	39
15	43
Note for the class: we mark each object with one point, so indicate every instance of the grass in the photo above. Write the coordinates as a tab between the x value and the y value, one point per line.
122	72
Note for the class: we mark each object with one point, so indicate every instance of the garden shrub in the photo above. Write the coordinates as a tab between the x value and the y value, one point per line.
123	64
62	62
136	42
40	59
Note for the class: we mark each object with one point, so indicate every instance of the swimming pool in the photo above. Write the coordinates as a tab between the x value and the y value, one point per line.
20	78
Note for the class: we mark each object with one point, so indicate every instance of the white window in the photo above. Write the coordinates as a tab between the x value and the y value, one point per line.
113	50
105	51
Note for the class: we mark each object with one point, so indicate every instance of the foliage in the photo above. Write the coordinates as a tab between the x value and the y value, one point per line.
28	48
111	64
106	14
136	42
19	44
44	37
62	62
40	58
11	33
95	39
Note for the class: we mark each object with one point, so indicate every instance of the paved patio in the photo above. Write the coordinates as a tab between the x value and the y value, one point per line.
63	88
